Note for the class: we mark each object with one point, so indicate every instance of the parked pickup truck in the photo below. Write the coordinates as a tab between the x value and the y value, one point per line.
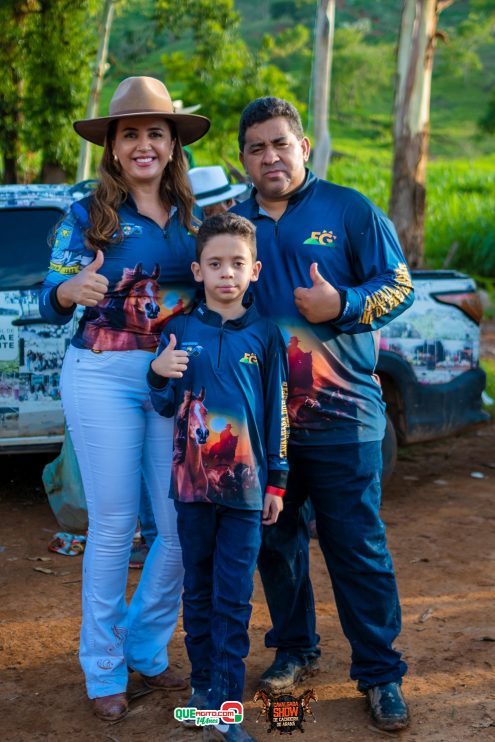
428	362
31	351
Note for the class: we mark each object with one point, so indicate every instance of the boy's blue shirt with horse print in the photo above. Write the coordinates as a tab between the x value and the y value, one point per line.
149	278
334	393
231	424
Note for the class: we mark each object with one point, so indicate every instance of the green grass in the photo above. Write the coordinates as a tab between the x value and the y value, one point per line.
489	368
461	210
460	199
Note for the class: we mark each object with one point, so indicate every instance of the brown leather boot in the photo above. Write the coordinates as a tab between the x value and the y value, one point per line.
165	680
111	708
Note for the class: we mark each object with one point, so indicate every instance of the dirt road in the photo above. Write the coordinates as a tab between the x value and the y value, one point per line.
440	522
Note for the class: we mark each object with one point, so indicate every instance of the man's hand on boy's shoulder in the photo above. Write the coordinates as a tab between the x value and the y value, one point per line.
272	507
171	363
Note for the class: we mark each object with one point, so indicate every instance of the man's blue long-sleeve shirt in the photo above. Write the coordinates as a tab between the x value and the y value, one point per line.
334	394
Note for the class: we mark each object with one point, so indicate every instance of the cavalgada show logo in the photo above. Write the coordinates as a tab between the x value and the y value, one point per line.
284	712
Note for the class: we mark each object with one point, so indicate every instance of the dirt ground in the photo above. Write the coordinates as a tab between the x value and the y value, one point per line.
440	520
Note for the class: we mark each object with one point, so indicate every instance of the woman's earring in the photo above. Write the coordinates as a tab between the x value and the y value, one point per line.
115	159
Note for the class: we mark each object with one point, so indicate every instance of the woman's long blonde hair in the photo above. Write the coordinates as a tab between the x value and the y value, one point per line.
112	190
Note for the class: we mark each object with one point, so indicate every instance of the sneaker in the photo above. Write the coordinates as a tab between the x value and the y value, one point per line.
198	700
226	732
287	671
388	706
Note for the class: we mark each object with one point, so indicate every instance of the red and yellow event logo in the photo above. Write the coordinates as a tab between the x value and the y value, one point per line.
324	237
285	712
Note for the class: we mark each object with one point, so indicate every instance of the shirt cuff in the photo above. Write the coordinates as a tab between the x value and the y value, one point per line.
343	302
57	306
277	491
277	478
155	380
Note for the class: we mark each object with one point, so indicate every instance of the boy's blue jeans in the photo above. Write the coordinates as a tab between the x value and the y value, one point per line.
220	547
343	483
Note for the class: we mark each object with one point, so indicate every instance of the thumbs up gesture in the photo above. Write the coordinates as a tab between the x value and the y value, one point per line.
171	363
321	302
87	288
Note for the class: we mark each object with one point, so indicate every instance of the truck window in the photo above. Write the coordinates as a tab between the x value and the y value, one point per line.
24	250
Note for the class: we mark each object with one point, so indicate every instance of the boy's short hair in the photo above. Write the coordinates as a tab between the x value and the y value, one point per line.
263	109
226	223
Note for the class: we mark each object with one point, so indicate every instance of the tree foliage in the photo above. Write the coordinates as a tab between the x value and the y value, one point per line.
297	10
14	18
460	55
360	70
46	63
221	73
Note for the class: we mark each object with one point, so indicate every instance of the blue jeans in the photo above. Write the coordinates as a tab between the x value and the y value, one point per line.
220	547
343	483
146	517
120	439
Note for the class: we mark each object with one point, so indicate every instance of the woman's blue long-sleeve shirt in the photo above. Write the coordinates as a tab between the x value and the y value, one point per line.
149	274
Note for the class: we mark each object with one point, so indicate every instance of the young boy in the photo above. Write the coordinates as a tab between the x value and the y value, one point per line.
222	372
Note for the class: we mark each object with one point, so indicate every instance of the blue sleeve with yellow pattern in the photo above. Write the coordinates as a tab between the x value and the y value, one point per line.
69	256
383	287
275	397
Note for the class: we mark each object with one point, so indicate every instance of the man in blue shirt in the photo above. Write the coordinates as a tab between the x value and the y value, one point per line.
333	274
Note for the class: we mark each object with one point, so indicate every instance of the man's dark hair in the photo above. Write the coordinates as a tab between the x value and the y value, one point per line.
226	223
263	109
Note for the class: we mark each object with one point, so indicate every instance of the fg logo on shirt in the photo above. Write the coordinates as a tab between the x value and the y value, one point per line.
249	358
325	237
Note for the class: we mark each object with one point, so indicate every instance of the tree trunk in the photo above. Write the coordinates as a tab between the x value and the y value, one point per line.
11	148
52	173
84	165
10	112
325	24
411	123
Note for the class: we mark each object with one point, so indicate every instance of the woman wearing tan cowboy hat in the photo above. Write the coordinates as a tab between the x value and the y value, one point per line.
124	254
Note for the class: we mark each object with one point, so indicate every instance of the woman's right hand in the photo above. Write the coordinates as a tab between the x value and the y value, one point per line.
88	288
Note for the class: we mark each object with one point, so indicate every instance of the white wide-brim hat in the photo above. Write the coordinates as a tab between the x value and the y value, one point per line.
143	96
210	185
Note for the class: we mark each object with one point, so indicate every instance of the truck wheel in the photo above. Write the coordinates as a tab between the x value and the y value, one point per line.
389	451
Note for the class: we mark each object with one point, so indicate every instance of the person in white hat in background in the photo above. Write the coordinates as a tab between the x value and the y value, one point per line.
213	191
124	253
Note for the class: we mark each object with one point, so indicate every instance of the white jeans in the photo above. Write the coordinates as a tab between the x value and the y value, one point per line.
117	437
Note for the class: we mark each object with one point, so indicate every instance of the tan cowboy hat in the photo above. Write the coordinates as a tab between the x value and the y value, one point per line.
143	96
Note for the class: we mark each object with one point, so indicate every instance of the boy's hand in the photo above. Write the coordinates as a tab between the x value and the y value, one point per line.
171	363
272	507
